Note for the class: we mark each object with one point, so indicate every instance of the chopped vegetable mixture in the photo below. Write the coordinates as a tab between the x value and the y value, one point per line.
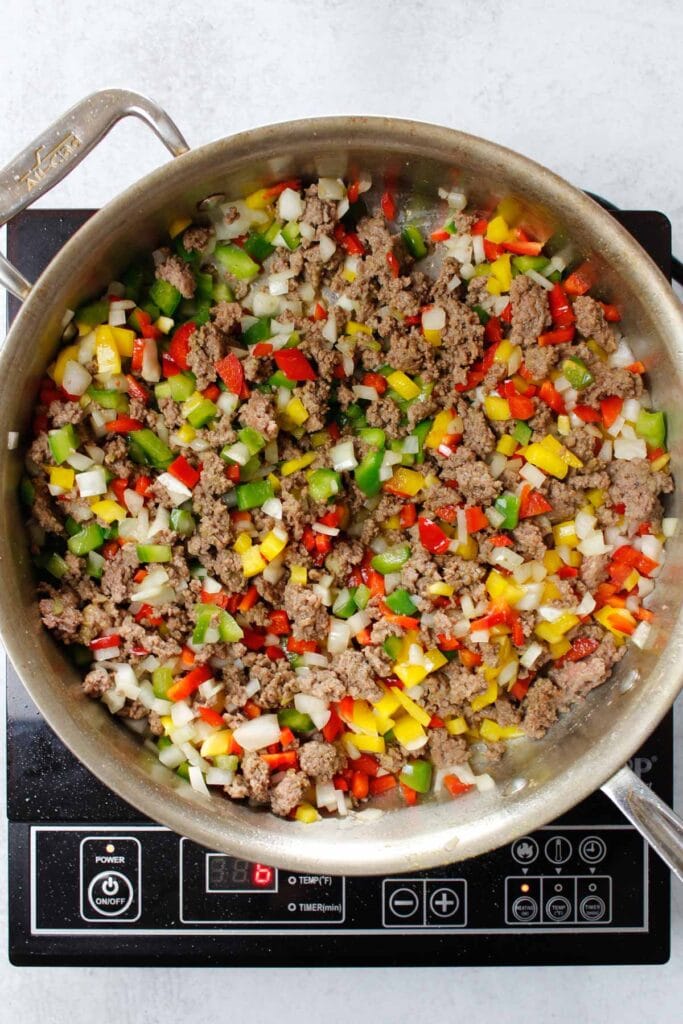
339	492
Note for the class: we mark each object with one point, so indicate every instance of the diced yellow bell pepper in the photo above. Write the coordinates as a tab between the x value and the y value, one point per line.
605	616
502	272
353	327
494	287
434	660
456	726
557	448
559	649
497	230
496	408
489	696
597	496
165	324
415	710
388	703
469	550
565	533
252	562
319	438
273	544
552	632
62	476
348	275
407	481
410	637
167	723
384	724
506	445
187	433
502	588
364	718
296	412
242	544
510	732
409	674
66	355
491	672
407	730
563	425
107	351
597	350
365	743
432	336
551	591
298	575
217	743
552	561
306	813
294	465
124	339
440	589
439	428
661	462
548	461
178	225
191	403
108	510
631	581
490	731
258	200
402	384
504	351
392	523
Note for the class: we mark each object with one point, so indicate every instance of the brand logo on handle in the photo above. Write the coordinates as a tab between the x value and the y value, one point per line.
641	765
45	162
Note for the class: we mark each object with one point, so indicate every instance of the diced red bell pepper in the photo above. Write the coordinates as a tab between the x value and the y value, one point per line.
319	312
480	227
118	487
279	762
187	684
388	204
393	264
557	337
294	364
261	349
345	707
407	516
567	572
353	191
611	409
353	245
560	307
611	313
211	716
276	190
581	280
136	389
521	407
447	643
432	536
475	519
147	328
492	250
274	652
455	787
548	394
376	381
138	352
249	599
231	372
588	415
180	344
360	785
333	728
521	248
251	709
637	367
169	368
279	624
366	763
103	643
382	784
470	659
123	425
254	639
440	235
402	621
286	737
500	540
533	504
409	795
493	331
506	315
181	469
519	690
581	648
295	646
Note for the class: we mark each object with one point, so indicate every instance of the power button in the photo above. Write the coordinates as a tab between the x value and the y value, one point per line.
110	878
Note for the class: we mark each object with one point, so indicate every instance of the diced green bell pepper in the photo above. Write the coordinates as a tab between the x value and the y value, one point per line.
93	314
162	680
577	373
297	721
252	438
237	262
651	426
344	605
508	506
205	285
205	613
250	469
522	432
109	399
421	431
417	775
63	442
279	379
323	484
87	539
258	331
52	563
154	552
71	526
361	596
27	491
253	495
229	630
524	263
366	474
258	247
222	292
95	565
182	522
183	770
182	385
373	436
166	296
202	413
227	762
401	602
392	646
155	452
291	233
392	559
484	317
414	242
162	390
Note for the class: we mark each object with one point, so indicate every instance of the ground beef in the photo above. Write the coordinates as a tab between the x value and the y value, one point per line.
476	483
575	679
118	573
612	380
540	708
530	311
288	793
635	485
97	682
450	690
591	323
61	613
445	750
384	413
256	776
307	614
539	361
320	760
196	239
592	571
178	273
259	414
207	346
529	541
60	413
227	316
477	435
355	673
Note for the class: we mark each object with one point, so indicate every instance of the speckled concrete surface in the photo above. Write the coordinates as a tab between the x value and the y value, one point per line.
592	91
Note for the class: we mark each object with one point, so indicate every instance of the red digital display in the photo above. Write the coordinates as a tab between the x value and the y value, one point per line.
228	874
262	876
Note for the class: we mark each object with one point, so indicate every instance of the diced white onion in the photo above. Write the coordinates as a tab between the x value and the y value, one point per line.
197	780
631	409
171	756
258	732
623	356
533	594
219	777
181	713
584	524
92	482
531	655
669	525
133	501
364	392
290	205
358	622
497	465
462	531
434	319
76	380
331	188
533	474
550	613
506	558
151	370
594	544
326	248
630	448
326	796
641	634
339	636
539	279
586	605
315	707
79	462
343	457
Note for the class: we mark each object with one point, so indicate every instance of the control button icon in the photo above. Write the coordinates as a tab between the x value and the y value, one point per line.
592	849
110	893
524	909
558	850
525	850
444	902
404	902
592	908
558	908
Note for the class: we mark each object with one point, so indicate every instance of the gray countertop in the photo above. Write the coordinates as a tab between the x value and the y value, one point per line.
592	91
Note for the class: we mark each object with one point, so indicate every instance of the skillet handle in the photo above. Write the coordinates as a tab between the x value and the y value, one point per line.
655	821
52	156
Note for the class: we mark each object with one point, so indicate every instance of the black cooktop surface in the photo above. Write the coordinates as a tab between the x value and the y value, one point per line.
92	881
